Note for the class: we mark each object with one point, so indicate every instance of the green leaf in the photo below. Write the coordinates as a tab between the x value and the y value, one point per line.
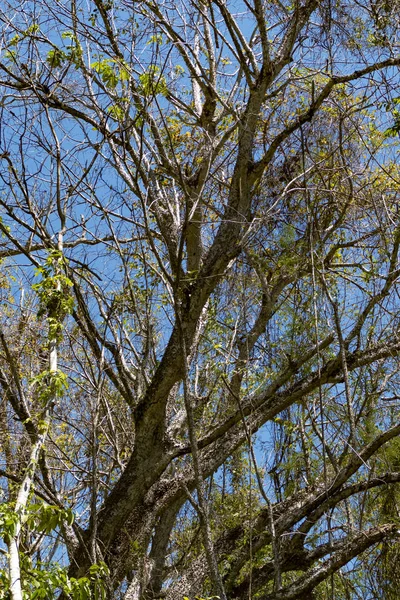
34	28
15	40
106	71
55	58
152	83
155	39
116	112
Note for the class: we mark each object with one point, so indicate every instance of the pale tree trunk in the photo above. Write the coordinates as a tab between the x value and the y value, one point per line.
20	506
26	485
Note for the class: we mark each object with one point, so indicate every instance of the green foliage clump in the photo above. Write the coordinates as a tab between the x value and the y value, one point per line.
53	290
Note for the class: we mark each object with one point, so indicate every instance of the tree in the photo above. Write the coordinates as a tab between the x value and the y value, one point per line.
199	328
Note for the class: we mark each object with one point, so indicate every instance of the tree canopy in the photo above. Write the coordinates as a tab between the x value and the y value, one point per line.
199	372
